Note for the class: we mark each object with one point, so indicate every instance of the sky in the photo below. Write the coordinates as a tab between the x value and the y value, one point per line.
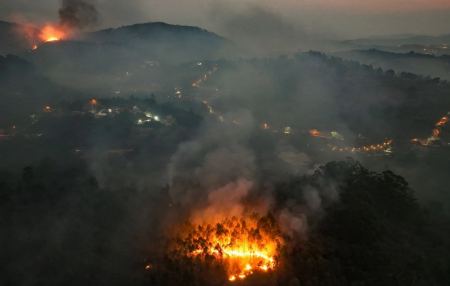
333	18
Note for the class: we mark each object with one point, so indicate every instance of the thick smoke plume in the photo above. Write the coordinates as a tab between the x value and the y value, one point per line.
78	14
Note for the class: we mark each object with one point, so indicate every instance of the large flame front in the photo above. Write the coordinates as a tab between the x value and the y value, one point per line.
242	245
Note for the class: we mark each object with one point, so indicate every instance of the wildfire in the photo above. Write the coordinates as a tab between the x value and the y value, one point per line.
45	34
435	133
52	33
243	246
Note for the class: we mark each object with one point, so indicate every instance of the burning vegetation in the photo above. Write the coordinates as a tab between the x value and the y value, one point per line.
52	33
46	34
241	246
74	16
37	35
435	138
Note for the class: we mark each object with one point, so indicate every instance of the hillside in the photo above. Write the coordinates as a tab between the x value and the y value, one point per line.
106	55
435	45
13	39
153	31
156	41
412	62
23	91
401	40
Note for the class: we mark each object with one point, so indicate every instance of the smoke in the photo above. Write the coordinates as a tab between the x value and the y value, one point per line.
307	203
225	202
258	29
212	169
292	223
298	163
78	14
213	159
219	174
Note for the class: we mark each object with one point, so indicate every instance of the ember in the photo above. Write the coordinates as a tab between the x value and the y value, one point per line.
442	121
314	133
435	133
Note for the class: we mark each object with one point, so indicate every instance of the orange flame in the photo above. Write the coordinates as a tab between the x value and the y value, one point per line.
46	33
442	121
51	33
242	245
315	133
435	133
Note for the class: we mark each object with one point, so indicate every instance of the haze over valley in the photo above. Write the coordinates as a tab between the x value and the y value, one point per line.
219	143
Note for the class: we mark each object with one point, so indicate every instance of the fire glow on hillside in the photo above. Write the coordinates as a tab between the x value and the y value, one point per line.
242	246
45	34
52	33
435	133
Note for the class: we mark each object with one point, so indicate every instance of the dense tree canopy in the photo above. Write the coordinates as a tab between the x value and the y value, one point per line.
61	228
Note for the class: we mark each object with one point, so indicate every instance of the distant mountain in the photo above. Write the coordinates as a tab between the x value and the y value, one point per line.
111	53
412	62
153	31
402	40
436	45
155	41
162	40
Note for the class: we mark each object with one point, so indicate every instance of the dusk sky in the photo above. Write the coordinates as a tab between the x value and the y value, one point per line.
342	18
